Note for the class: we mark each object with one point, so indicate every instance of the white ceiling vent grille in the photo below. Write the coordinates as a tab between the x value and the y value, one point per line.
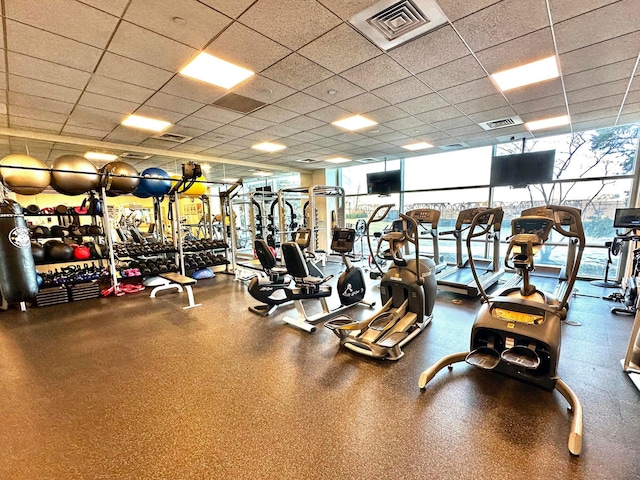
366	160
501	123
135	156
308	160
173	137
454	146
390	23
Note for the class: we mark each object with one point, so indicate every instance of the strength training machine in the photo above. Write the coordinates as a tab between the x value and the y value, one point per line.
518	333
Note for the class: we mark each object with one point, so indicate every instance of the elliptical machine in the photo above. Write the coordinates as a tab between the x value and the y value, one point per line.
408	293
518	333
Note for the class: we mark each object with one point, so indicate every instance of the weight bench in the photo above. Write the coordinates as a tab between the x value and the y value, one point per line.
175	280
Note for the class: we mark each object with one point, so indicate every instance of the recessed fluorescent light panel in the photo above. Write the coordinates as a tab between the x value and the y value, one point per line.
548	123
229	180
417	146
534	72
355	123
337	160
100	156
215	71
268	147
145	123
262	174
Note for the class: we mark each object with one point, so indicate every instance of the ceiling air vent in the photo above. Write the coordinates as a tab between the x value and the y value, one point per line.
390	23
366	160
238	103
135	156
501	123
308	160
173	137
454	146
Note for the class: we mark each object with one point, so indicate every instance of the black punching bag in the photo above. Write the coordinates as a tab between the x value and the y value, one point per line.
18	281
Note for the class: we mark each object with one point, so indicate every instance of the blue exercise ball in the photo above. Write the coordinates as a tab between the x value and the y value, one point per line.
155	182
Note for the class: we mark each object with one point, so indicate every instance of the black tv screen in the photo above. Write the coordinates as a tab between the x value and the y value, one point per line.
384	183
627	218
522	169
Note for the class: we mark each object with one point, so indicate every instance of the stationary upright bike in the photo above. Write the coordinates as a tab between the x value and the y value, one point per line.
518	333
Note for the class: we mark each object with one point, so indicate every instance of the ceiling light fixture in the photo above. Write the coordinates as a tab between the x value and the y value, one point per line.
533	72
337	160
145	123
268	147
356	122
215	71
100	156
229	180
548	123
261	173
417	146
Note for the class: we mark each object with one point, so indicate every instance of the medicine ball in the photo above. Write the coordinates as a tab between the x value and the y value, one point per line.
119	178
74	175
82	252
156	182
31	178
38	253
57	251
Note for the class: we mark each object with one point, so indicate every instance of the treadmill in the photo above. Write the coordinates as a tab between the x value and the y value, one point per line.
458	278
427	219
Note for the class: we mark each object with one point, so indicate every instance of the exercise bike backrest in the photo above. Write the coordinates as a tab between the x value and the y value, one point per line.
265	255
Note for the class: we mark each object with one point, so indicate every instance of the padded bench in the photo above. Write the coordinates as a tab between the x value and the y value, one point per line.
177	281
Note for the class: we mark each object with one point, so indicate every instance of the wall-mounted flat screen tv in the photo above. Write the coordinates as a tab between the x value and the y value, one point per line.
384	183
521	169
627	218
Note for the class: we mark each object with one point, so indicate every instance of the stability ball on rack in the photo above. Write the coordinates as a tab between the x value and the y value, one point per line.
119	178
155	182
198	188
74	175
24	175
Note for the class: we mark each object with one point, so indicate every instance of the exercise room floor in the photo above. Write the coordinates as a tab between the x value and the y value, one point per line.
135	388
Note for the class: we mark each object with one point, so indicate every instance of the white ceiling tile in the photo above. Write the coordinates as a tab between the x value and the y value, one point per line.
184	87
200	25
387	114
597	25
402	90
548	113
42	89
245	47
67	18
186	147
33	124
564	9
346	10
114	7
340	49
326	130
481	104
30	101
450	74
363	103
598	91
455	122
274	114
603	53
521	50
423	104
36	114
532	92
597	104
595	114
131	71
173	103
159	113
306	136
46	71
444	44
406	123
440	114
292	23
77	131
217	114
111	104
377	72
231	8
501	22
252	123
54	48
94	118
539	104
493	114
117	89
189	132
595	76
343	89
199	123
145	46
481	87
297	72
455	9
301	103
262	89
330	114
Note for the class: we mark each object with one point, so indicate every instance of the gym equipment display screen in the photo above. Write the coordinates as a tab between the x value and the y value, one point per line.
522	169
384	183
627	218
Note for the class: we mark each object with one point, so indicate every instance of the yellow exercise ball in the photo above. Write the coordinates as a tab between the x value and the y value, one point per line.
198	189
31	178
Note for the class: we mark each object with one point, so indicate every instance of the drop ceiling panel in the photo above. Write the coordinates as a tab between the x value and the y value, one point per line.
54	48
377	72
42	89
148	47
159	113
95	118
387	114
231	8
31	101
539	104
342	89
200	23
521	50
303	123
548	113
297	71
406	123
362	103
131	71
340	49
110	104
189	132
346	10
402	90
33	124
428	51
598	91
440	114
423	104
489	102
565	9
252	123
481	87
37	114
77	131
126	135
610	51
455	122
194	90
456	9
262	89
494	114
114	7
46	71
67	18
600	103
117	89
595	76
450	74
173	103
533	92
301	103
247	48
597	25
330	114
199	123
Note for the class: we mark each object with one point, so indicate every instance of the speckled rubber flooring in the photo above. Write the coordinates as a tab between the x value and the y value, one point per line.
135	388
